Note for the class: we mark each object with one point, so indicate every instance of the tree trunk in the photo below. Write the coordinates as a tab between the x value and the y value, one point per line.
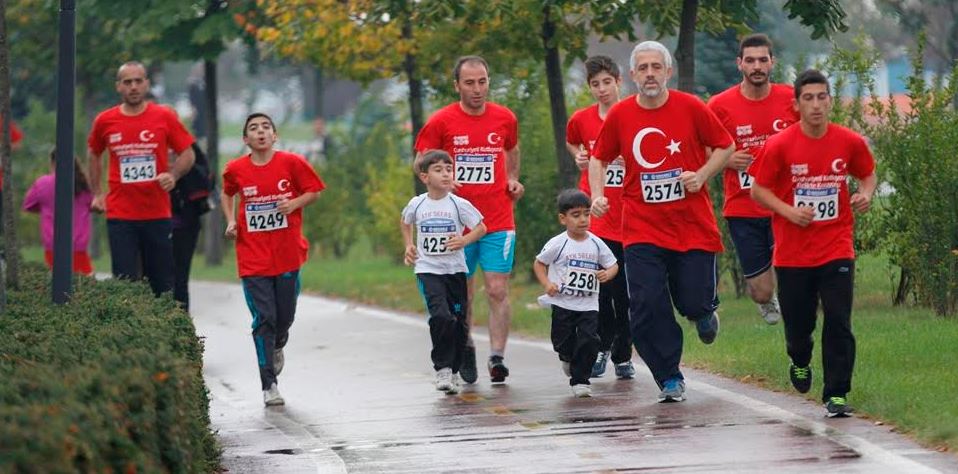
214	221
568	173
415	100
685	53
11	254
904	287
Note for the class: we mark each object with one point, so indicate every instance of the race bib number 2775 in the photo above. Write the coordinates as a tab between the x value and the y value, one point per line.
475	169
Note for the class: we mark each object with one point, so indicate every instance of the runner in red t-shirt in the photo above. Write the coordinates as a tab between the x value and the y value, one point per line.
668	227
752	111
604	79
802	177
273	187
483	140
138	135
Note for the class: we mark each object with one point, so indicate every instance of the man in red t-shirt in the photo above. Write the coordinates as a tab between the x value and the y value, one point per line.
483	140
138	135
604	79
273	187
668	227
801	175
752	111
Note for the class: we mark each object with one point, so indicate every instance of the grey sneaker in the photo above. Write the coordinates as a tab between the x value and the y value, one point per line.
625	370
598	368
468	370
771	311
444	379
581	390
673	390
708	328
272	397
837	407
279	360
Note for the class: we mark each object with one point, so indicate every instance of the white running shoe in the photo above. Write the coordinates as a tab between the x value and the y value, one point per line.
444	381
771	311
582	390
456	386
272	397
278	361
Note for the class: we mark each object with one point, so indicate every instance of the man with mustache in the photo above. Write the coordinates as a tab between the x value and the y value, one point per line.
672	145
752	111
483	140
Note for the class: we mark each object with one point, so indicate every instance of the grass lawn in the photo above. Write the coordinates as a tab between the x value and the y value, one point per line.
903	370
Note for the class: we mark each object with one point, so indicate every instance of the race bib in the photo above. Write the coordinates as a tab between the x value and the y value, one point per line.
824	201
662	186
580	278
264	217
615	174
434	234
475	169
137	169
744	180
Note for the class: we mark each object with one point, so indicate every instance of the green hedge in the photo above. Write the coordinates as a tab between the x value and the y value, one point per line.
111	382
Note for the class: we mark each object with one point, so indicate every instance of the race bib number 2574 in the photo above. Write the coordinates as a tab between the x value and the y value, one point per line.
662	186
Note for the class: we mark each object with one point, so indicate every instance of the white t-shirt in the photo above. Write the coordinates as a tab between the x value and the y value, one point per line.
435	220
573	265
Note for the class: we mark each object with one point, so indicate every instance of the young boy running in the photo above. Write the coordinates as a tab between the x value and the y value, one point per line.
604	79
273	187
570	268
440	219
803	178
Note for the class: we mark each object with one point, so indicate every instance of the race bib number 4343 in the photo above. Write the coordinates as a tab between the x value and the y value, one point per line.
137	169
824	201
475	169
264	217
662	186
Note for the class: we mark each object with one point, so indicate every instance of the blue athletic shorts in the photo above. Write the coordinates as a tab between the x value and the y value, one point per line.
753	243
494	252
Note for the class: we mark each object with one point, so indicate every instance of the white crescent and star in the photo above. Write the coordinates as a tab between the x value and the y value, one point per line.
283	184
494	138
778	125
146	135
838	165
673	147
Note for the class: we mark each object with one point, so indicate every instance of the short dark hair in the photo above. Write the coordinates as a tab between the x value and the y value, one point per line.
250	117
756	40
569	199
432	157
471	60
810	76
599	64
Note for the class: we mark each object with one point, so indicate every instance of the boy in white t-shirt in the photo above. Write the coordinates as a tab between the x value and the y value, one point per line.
440	218
570	268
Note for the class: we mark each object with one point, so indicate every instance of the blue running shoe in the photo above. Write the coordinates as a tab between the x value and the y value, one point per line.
598	369
708	328
673	390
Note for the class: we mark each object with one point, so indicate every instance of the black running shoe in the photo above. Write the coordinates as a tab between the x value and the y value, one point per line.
497	369
708	328
467	371
837	407
801	377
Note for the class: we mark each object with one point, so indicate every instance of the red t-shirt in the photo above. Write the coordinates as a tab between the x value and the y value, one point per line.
267	242
804	171
139	151
658	145
583	129
478	145
15	136
750	122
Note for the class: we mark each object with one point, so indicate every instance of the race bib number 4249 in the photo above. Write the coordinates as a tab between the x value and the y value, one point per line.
475	169
662	186
264	217
137	169
824	201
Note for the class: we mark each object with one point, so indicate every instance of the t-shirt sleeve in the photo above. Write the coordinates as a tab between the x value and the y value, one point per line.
766	166
430	137
409	212
95	140
862	163
710	129
572	135
606	257
471	217
607	144
305	177
179	138
513	136
549	252
230	187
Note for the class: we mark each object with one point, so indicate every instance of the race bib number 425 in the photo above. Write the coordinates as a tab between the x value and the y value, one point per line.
475	169
264	217
662	186
580	278
434	234
824	201
137	169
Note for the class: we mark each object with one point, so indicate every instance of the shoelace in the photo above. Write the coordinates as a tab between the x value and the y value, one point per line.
802	373
837	400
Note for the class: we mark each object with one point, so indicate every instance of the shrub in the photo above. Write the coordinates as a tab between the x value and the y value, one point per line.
109	382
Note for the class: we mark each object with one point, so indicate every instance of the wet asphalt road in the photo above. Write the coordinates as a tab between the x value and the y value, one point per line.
359	398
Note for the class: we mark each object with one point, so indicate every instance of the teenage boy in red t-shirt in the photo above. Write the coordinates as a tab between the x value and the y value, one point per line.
802	177
668	226
604	79
138	135
752	111
273	187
